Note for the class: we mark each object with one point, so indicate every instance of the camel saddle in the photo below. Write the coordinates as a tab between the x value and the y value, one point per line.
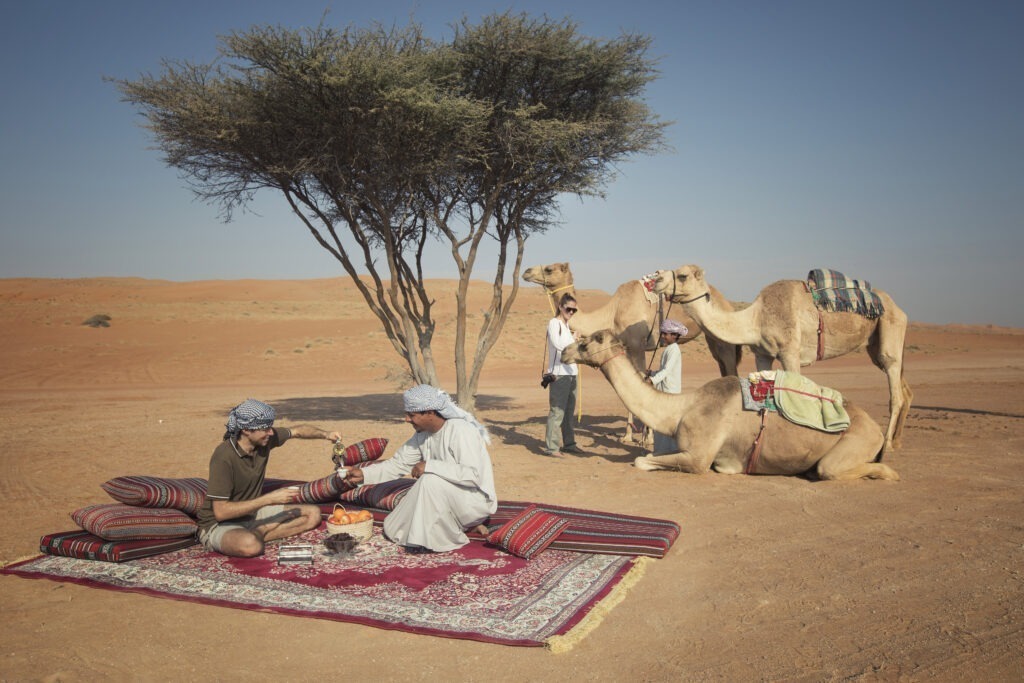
833	291
797	398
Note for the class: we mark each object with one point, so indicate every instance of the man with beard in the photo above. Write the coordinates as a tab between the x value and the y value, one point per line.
237	518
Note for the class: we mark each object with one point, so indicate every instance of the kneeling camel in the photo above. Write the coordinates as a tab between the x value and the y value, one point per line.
714	431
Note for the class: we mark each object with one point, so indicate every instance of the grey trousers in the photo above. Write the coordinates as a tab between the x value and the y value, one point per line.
663	443
561	429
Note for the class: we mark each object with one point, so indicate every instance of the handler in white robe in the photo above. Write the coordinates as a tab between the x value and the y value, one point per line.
448	457
669	378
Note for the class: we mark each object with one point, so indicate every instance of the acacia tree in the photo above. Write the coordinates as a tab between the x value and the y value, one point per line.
381	140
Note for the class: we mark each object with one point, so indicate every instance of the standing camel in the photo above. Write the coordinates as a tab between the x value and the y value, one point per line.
713	430
633	315
783	324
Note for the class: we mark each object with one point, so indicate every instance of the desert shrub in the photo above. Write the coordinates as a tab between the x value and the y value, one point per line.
98	320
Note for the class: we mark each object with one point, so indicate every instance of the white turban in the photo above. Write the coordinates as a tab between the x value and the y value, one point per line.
674	327
423	398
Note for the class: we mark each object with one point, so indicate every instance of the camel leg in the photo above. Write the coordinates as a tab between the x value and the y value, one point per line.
886	349
682	461
644	437
638	358
899	400
763	362
853	455
901	418
628	436
726	355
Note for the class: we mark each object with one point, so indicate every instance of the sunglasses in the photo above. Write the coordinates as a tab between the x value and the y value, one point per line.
570	310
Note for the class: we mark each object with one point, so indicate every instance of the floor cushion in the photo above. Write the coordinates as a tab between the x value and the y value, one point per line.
85	546
384	496
120	522
158	492
529	533
366	450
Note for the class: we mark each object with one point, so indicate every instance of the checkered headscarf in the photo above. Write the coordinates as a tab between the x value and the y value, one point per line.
250	414
424	397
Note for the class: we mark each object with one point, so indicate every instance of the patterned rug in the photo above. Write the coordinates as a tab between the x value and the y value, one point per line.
478	592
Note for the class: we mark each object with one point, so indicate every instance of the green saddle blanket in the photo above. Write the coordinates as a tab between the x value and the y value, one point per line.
803	402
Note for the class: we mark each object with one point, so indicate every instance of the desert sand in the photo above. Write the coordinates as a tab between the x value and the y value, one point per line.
772	578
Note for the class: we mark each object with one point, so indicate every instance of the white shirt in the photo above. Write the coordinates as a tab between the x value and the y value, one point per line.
456	453
559	337
670	377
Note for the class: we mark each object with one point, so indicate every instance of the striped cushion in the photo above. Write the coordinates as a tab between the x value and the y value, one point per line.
593	531
84	546
528	533
383	496
364	451
120	522
158	492
324	490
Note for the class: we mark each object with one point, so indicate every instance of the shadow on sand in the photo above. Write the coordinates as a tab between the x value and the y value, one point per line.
603	430
967	411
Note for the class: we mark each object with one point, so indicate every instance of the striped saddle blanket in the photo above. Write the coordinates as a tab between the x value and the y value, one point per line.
833	291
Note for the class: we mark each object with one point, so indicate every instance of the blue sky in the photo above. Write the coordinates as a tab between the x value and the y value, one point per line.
882	139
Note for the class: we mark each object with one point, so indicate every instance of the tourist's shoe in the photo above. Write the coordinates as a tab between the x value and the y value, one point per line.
574	449
553	454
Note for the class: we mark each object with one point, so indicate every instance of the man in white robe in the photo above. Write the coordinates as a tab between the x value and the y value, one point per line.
454	489
669	378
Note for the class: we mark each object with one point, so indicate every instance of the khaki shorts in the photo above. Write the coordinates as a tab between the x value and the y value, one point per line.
211	537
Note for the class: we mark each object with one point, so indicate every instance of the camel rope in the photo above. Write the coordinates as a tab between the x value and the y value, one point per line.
610	359
821	327
551	292
755	449
705	295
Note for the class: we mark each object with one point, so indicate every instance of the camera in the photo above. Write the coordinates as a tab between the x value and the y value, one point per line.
546	379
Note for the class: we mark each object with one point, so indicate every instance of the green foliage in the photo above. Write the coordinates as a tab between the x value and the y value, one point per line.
381	139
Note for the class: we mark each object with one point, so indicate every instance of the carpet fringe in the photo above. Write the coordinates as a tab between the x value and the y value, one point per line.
20	559
567	641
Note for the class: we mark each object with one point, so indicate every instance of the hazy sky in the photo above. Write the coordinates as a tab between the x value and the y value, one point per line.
884	139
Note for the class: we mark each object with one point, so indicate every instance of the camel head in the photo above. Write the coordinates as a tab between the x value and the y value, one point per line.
682	284
594	349
553	277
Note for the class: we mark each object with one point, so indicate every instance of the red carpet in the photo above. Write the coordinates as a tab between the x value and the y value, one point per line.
478	592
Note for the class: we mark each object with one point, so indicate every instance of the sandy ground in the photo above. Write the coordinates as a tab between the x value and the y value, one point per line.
773	578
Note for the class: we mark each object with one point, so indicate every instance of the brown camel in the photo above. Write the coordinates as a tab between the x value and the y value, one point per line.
632	315
714	431
783	322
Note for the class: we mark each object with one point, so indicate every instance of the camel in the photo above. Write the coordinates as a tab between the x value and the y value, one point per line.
632	316
783	322
713	430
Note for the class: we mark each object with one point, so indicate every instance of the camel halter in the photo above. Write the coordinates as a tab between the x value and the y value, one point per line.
672	298
551	293
705	295
611	358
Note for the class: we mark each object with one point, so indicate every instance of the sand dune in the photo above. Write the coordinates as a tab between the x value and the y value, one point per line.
773	578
